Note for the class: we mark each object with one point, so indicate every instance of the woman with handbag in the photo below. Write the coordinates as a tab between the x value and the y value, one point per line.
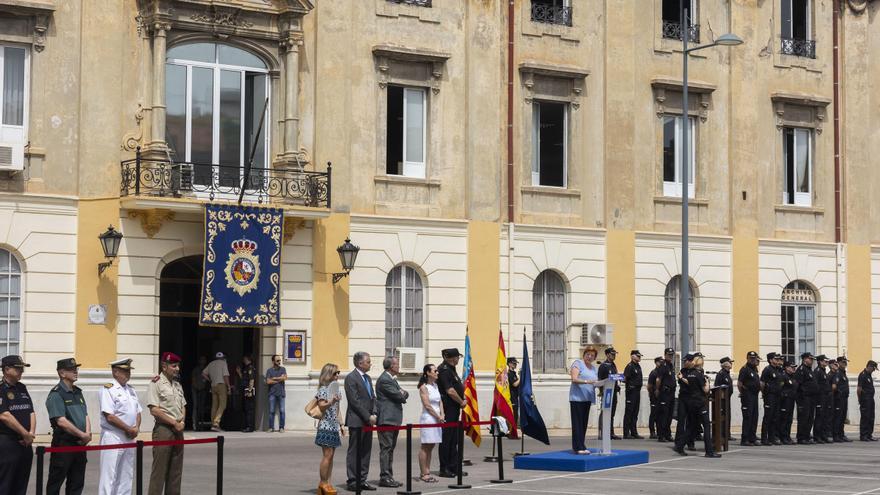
325	408
432	413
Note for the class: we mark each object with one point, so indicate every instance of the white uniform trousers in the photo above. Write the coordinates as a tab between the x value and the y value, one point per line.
117	465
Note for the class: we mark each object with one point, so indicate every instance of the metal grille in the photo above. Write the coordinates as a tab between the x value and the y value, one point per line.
672	331
799	48
10	303
672	30
420	3
6	154
551	14
548	322
404	309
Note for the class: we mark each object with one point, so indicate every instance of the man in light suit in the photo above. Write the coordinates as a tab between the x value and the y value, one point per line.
361	412
391	399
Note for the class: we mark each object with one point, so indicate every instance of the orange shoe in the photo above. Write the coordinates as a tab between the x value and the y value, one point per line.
327	489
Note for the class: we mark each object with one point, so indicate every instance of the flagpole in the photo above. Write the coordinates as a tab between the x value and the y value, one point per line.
522	444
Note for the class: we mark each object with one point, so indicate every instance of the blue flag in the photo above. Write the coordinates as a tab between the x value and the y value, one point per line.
530	421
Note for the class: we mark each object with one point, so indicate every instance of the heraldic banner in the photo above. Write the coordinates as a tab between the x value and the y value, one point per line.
242	273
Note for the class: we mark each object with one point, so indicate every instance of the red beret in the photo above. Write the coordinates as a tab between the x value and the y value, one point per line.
170	357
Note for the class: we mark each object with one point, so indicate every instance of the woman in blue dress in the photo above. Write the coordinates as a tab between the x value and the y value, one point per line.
582	395
330	428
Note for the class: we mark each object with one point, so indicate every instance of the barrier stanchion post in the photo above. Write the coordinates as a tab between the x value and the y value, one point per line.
220	440
409	476
41	454
139	468
460	485
500	458
357	461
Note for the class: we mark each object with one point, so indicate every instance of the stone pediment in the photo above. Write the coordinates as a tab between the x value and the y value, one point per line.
264	6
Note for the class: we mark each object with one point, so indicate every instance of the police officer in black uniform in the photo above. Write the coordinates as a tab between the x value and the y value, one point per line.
807	395
664	386
650	386
18	424
865	394
822	421
695	407
632	375
452	395
840	388
771	384
787	403
70	427
723	379
248	392
607	368
749	385
685	429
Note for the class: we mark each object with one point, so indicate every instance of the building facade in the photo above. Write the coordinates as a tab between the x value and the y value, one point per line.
501	165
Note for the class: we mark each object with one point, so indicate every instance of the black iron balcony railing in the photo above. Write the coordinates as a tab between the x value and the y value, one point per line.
551	14
420	3
672	30
166	179
799	48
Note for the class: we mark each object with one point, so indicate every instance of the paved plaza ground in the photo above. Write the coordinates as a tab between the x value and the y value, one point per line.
264	463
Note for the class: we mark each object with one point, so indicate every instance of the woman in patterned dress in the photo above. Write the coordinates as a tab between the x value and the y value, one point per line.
329	427
432	413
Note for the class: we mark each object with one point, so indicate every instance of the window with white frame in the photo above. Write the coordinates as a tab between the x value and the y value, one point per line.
548	322
406	131
797	158
672	332
672	155
14	65
671	19
798	320
404	309
215	95
549	143
10	304
796	29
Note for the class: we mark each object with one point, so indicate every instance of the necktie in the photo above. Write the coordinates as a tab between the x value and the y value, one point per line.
369	386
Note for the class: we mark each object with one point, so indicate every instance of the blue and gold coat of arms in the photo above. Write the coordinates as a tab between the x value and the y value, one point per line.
242	272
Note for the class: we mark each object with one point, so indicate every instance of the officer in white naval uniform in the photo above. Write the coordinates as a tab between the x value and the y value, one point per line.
120	423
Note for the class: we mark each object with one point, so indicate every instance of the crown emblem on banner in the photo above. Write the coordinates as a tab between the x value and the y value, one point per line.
243	267
244	246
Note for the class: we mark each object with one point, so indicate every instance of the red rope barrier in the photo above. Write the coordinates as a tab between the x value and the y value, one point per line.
157	443
452	424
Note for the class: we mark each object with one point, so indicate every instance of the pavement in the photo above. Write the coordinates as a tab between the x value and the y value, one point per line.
261	463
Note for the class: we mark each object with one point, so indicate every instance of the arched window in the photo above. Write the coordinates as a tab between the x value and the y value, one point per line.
673	322
215	95
10	304
548	322
798	320
404	309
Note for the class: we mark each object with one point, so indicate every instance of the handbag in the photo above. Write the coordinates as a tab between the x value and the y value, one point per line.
313	410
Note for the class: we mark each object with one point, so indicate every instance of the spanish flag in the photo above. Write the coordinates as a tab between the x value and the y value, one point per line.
471	411
501	405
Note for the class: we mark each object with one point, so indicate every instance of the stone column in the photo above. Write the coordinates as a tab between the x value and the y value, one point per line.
291	95
160	31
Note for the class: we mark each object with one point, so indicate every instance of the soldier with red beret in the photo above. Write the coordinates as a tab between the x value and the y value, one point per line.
168	407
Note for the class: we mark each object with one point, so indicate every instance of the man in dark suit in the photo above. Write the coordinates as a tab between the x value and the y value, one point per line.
390	398
361	412
452	395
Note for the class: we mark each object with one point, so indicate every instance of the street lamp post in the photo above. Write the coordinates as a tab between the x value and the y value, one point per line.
684	289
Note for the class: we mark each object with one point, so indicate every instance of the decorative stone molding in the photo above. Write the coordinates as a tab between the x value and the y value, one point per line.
799	109
215	18
701	90
575	75
291	225
436	61
132	140
858	7
152	219
291	41
41	25
37	12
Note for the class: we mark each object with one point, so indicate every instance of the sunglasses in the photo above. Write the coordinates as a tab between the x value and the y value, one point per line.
335	373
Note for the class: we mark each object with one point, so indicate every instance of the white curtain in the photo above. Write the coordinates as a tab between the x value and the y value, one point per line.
13	86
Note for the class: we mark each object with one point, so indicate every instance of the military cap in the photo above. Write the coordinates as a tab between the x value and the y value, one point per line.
512	360
14	361
872	363
669	350
842	359
67	364
821	357
123	364
789	363
610	350
753	354
635	352
806	355
833	363
771	355
451	352
220	355
170	357
658	359
726	359
698	354
688	357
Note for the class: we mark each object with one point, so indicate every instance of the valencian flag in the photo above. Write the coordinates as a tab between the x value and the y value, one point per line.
501	405
242	272
530	421
471	409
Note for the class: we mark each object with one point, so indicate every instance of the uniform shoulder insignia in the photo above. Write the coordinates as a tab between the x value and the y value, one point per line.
155	379
55	388
108	385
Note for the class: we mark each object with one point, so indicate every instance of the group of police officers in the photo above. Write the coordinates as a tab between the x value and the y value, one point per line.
120	424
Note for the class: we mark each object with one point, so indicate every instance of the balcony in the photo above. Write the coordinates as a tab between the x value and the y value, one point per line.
150	183
418	3
799	47
551	14
672	30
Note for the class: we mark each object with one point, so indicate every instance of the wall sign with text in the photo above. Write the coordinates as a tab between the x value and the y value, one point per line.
295	346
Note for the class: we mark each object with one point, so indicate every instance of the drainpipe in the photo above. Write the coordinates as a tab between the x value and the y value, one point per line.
836	75
510	218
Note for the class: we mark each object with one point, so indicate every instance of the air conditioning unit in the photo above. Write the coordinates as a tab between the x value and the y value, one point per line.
412	359
11	156
597	334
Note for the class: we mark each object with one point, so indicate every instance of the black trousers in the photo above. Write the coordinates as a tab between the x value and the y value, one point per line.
806	409
15	466
580	417
631	411
786	417
822	421
366	446
250	406
448	453
866	422
665	403
67	469
750	416
652	416
841	407
770	424
387	443
613	412
685	428
693	413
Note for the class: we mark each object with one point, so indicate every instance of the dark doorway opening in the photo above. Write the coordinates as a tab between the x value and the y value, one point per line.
179	332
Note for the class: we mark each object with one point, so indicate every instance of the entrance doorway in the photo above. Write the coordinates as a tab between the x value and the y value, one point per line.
179	332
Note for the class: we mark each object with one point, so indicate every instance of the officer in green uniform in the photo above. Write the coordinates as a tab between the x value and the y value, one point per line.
168	407
70	427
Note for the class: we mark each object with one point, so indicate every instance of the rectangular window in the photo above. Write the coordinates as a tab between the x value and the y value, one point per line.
549	144
13	105
671	12
796	28
672	155
798	162
405	132
552	11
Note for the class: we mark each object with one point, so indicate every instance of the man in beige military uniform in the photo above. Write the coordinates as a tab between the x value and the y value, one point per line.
168	407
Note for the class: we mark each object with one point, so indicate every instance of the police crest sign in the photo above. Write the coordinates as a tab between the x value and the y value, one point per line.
242	273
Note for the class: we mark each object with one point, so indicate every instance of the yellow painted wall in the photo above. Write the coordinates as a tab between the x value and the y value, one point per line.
330	315
858	304
621	277
95	344
745	297
483	287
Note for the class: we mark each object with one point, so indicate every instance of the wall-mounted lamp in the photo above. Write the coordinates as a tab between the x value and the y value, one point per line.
348	253
110	241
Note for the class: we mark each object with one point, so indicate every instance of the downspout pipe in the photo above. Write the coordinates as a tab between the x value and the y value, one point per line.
838	237
510	218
